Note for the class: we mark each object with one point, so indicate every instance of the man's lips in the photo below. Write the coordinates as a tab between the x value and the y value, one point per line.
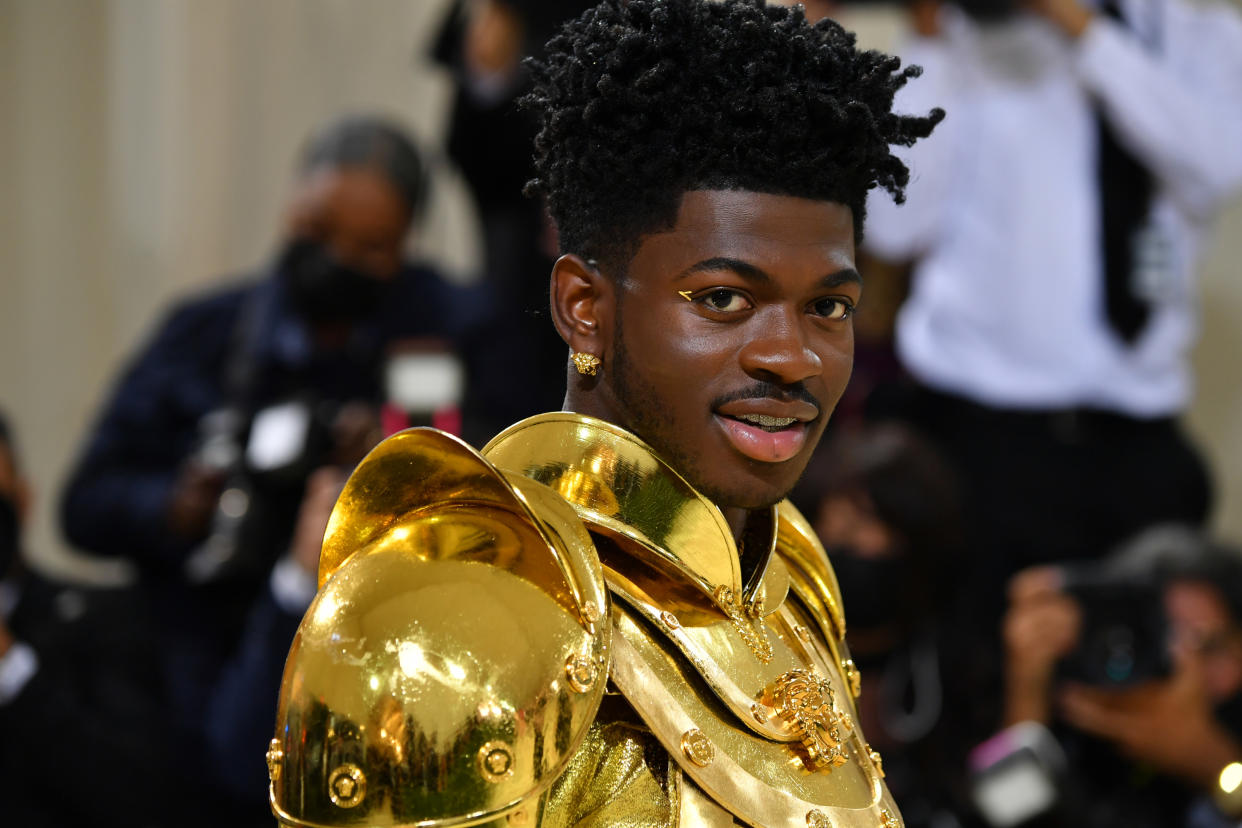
767	430
797	410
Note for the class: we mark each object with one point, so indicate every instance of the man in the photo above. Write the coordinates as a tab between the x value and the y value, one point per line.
1149	752
1055	226
236	425
706	165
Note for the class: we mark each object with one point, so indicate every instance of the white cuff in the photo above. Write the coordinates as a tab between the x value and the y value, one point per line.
17	667
292	586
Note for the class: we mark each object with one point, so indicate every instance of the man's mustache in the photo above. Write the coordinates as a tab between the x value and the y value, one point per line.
762	390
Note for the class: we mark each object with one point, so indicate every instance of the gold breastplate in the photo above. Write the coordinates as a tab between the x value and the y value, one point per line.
747	686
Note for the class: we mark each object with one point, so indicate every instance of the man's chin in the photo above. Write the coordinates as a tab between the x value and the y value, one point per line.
751	498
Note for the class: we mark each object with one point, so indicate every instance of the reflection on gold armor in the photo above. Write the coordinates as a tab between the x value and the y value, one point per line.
453	668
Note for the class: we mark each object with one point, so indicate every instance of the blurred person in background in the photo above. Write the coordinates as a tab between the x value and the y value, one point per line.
1143	697
218	455
483	42
1054	228
885	505
79	700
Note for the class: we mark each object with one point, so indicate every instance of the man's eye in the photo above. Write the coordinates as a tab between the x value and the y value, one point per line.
830	308
725	301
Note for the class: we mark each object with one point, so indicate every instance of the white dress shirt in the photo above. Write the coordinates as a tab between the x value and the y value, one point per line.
1002	213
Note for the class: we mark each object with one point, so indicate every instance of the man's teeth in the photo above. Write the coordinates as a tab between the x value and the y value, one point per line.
765	421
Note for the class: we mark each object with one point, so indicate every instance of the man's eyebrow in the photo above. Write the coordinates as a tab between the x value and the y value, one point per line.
749	271
844	276
741	268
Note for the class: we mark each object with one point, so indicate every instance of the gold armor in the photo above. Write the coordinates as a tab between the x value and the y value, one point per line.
560	631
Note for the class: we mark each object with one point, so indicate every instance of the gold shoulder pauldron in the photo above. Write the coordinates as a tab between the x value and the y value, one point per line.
455	655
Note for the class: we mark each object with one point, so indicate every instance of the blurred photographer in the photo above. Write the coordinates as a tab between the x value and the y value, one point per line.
217	459
1123	692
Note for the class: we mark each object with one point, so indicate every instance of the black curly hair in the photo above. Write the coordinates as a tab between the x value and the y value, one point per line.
643	100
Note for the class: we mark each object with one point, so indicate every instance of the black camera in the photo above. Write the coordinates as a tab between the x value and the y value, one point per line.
1124	635
265	459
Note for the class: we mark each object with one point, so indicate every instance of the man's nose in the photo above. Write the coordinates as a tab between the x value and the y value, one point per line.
779	349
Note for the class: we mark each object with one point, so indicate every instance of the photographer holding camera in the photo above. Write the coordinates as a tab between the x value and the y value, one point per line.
1123	689
219	456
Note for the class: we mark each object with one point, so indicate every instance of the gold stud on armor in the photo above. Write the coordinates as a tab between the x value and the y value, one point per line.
817	819
347	785
496	761
582	672
275	756
697	747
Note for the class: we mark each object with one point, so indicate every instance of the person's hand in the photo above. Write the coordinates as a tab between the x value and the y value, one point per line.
1070	16
193	500
1168	724
1041	626
322	489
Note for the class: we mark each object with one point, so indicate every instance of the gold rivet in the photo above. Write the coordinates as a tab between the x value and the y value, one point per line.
582	672
670	620
818	819
697	747
275	756
591	612
759	713
889	821
496	761
347	785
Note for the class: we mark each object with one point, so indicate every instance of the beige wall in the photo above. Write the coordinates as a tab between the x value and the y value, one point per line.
145	148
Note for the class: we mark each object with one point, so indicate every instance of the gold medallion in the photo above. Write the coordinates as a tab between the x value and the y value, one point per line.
808	704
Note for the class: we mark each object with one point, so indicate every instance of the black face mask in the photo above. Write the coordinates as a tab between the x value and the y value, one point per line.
8	535
875	590
323	289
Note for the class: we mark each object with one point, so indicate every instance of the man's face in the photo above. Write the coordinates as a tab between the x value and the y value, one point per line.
1204	632
732	340
355	213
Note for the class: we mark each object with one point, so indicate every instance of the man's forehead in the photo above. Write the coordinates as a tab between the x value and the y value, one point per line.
745	224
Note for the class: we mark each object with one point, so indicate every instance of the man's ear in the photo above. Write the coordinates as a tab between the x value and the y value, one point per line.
583	303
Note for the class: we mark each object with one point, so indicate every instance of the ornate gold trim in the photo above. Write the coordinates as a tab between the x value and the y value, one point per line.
808	703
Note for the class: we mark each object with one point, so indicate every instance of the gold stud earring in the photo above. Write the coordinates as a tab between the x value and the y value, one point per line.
587	364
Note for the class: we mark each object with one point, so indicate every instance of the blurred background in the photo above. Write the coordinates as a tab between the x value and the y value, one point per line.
148	147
